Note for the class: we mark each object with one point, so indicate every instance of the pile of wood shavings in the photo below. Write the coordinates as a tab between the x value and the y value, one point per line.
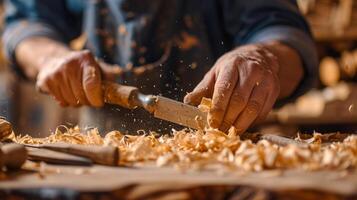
212	149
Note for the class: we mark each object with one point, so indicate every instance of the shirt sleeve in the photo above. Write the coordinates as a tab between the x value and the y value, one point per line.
280	20
28	18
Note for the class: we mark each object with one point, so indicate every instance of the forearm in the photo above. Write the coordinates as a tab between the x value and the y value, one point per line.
291	69
33	53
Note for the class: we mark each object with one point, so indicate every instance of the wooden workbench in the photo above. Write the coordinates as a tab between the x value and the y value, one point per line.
145	182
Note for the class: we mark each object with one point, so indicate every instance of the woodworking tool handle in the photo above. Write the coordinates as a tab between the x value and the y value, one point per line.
105	155
127	96
12	155
55	157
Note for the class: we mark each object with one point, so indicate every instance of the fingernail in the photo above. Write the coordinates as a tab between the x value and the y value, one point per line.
186	99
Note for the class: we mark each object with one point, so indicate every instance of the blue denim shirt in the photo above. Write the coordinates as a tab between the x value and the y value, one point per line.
186	36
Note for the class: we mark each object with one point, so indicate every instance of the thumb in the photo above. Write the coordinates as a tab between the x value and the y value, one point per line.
204	89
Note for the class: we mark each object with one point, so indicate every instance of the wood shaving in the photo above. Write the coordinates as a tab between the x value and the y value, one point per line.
188	149
209	149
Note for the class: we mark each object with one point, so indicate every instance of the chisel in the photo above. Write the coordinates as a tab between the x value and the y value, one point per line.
161	107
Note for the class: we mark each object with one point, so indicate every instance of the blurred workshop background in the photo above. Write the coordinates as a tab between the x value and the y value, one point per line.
331	106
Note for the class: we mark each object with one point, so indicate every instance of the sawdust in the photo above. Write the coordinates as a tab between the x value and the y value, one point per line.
212	149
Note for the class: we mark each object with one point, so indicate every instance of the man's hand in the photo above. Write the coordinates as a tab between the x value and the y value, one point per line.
244	85
73	79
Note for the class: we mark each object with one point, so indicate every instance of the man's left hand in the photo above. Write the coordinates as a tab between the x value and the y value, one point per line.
243	85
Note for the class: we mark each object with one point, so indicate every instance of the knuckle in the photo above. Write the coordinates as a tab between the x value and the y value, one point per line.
90	80
86	55
208	76
88	84
56	76
238	98
221	86
216	109
86	52
253	107
67	69
69	61
255	70
45	82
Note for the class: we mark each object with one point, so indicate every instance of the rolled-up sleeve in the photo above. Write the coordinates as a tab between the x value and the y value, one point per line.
279	20
30	18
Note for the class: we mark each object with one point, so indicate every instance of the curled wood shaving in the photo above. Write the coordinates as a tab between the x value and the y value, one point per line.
213	149
188	149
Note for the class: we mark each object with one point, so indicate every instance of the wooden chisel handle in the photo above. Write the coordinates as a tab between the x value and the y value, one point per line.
107	155
121	95
13	156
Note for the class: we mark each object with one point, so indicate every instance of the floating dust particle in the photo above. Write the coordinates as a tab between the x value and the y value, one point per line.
187	41
142	49
129	66
122	29
193	65
142	60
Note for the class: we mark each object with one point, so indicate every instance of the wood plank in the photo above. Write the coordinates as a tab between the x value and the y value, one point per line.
102	178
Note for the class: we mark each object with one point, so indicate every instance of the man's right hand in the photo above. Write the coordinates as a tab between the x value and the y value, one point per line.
73	79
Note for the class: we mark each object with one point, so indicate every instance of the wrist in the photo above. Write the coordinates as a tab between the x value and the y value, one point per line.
261	54
46	51
291	69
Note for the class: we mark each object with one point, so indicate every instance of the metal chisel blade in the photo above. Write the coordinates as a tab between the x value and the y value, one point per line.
45	155
179	113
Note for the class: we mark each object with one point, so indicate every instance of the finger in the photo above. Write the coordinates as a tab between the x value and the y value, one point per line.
263	113
223	88
237	103
92	85
250	74
77	88
203	89
54	90
269	103
67	91
251	111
